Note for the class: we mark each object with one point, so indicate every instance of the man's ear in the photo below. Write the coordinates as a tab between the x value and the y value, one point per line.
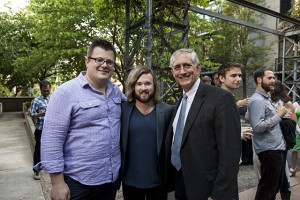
221	78
198	68
86	60
259	79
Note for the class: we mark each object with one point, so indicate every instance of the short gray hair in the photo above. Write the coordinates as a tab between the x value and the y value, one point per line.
194	56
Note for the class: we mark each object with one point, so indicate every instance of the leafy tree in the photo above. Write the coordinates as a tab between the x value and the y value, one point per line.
295	9
170	31
58	33
239	43
48	39
15	42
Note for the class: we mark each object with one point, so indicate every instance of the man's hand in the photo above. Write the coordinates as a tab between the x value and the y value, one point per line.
246	133
281	111
60	190
243	102
40	114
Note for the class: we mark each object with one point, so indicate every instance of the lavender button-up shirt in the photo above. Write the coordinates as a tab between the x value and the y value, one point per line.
81	133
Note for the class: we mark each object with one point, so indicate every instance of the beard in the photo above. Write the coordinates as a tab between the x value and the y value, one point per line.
144	100
266	87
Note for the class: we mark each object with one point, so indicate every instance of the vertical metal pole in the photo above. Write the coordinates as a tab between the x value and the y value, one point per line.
295	70
283	60
148	15
127	47
186	4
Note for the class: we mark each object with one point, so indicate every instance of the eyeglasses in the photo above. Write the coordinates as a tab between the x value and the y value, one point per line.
101	61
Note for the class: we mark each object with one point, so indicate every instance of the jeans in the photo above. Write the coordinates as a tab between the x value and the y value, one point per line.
86	192
133	193
285	184
37	148
272	164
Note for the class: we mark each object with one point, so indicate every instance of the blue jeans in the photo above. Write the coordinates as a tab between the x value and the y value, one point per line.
86	192
37	147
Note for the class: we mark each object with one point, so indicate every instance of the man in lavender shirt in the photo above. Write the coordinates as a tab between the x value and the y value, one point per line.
81	135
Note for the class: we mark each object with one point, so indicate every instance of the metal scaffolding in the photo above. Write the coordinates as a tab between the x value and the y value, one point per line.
287	63
146	37
286	66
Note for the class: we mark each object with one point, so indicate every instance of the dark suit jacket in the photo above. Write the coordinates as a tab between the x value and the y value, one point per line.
164	113
211	146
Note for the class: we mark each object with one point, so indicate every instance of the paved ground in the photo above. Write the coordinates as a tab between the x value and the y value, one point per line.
246	180
16	180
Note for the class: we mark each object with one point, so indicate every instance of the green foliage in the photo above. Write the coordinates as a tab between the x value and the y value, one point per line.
295	10
27	104
49	39
5	92
239	43
57	35
15	43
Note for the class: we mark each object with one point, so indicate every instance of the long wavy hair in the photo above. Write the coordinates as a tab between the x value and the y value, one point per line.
279	92
133	77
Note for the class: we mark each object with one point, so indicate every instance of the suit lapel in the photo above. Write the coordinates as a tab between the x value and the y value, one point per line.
125	123
194	111
159	126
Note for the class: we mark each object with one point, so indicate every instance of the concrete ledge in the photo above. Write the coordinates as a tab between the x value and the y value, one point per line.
29	124
1	109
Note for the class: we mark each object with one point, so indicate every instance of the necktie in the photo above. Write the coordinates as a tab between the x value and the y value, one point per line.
175	156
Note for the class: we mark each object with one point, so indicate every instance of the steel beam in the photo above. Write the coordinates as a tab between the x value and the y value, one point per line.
233	20
266	11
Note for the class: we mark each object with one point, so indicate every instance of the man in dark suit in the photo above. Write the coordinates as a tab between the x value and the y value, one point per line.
144	124
205	166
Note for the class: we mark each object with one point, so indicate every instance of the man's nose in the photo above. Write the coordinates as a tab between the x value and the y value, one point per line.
143	86
104	65
182	69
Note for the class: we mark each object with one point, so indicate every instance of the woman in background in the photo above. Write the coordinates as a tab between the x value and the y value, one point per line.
280	97
296	149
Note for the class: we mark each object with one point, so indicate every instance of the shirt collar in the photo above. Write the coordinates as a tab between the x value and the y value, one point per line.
83	82
194	88
264	94
43	98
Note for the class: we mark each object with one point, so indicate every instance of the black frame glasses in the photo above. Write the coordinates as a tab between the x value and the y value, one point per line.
101	61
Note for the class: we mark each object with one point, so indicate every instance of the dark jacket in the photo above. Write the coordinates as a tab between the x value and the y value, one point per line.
164	113
211	146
